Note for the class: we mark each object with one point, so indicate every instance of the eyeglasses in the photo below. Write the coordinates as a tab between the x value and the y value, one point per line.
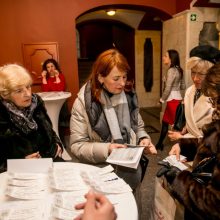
22	90
198	74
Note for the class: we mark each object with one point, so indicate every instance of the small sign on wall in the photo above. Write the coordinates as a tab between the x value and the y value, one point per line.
193	17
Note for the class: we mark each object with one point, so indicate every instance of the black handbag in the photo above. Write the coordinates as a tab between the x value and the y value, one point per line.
180	119
202	173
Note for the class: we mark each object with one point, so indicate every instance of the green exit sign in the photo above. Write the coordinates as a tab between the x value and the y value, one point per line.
193	17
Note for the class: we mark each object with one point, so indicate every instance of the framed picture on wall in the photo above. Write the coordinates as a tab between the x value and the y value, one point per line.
34	55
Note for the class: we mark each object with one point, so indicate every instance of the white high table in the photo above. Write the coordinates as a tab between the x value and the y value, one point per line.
126	207
53	103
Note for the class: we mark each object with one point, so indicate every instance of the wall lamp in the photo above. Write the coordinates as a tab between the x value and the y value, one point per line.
110	12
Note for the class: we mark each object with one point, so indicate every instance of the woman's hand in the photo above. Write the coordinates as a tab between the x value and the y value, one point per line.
59	151
149	147
174	135
161	101
96	207
184	130
44	74
56	74
114	145
175	150
44	79
33	156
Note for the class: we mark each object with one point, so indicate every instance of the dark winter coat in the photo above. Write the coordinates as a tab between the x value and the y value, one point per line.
14	144
202	201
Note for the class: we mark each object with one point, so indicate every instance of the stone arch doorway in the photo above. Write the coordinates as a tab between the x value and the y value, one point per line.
99	35
97	32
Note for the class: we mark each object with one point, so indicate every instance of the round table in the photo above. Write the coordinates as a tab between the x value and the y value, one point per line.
53	103
126	207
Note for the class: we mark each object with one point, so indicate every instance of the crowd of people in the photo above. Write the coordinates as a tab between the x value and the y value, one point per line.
105	116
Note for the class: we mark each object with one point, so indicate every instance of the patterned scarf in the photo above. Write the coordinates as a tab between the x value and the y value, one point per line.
22	118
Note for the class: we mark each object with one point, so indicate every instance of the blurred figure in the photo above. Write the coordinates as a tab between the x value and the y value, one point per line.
25	128
129	85
52	78
173	84
96	207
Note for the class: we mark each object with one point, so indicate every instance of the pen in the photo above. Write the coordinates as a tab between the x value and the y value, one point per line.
112	179
133	146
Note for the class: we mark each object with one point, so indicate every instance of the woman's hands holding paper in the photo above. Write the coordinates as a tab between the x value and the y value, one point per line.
149	147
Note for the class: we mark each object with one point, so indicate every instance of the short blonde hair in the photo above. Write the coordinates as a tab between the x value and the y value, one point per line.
198	64
13	76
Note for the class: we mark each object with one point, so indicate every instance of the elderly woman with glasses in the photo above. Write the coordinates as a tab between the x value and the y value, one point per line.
25	128
199	190
198	109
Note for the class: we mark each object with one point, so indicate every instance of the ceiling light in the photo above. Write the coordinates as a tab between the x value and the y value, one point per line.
110	12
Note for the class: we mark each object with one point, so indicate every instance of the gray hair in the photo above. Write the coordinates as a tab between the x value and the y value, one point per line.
198	64
13	76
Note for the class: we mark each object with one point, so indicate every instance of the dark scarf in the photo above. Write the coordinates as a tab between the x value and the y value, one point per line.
97	116
22	118
198	93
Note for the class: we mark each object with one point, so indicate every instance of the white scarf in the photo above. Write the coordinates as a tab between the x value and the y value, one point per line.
117	115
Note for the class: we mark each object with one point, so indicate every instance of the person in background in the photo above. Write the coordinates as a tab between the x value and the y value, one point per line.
96	207
173	84
52	78
104	117
199	190
198	109
129	85
25	128
54	81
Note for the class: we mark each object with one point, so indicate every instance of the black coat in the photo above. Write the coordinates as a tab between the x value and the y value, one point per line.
14	144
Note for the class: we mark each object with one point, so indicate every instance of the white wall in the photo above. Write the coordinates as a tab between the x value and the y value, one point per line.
182	34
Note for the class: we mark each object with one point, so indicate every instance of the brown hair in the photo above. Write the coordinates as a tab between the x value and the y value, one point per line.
103	65
211	84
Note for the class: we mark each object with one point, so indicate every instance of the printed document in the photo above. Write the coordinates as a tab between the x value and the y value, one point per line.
128	157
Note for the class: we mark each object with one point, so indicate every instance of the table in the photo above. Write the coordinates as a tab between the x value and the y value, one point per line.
126	207
53	103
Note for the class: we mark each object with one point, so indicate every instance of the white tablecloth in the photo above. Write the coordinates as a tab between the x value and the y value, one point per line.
126	207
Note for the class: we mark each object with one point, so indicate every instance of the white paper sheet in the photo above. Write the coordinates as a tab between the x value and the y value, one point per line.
29	165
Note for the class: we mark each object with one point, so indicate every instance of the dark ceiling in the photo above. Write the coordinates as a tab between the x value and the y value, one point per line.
153	17
208	3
